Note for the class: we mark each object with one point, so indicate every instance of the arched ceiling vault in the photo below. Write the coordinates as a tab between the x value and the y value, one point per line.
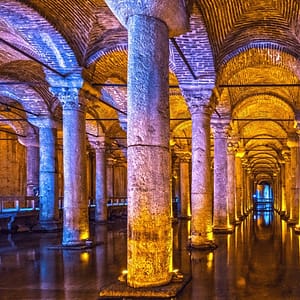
248	50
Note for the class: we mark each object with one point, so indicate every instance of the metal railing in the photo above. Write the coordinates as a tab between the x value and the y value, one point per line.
18	203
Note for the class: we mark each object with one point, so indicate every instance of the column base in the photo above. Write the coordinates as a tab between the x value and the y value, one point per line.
88	244
292	221
297	229
121	290
209	245
48	226
223	229
238	221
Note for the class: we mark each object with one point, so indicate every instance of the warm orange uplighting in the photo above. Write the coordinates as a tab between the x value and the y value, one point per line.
84	257
210	259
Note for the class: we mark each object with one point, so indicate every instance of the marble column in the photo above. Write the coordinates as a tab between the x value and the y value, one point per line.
231	187
221	222
149	253
288	183
100	181
282	188
31	143
110	177
201	192
75	216
185	191
239	181
294	192
48	187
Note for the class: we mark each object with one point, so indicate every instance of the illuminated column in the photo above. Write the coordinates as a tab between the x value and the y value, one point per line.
239	190
287	179
185	209
32	163
76	221
110	177
48	187
201	192
221	214
100	182
149	206
294	192
231	176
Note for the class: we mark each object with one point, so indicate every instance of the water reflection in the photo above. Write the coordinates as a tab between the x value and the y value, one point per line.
260	260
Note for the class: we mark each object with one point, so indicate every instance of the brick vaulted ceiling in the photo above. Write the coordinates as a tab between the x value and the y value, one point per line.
247	51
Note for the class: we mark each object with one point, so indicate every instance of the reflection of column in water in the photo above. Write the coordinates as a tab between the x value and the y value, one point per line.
181	255
203	286
78	274
50	269
222	270
264	263
101	254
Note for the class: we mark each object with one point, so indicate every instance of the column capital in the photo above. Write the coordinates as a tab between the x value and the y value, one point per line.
173	13
184	156
45	121
221	127
199	99
70	97
97	143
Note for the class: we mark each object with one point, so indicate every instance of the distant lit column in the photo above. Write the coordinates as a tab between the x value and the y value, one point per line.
185	209
48	176
282	181
100	181
294	193
110	177
239	192
221	214
76	221
48	187
148	134
201	190
287	178
32	163
231	176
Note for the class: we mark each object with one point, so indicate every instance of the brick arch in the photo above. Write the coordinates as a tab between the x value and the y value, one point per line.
46	44
264	54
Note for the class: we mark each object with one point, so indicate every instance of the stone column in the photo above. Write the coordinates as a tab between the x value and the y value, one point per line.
221	222
48	188
110	177
76	220
282	187
149	207
294	193
231	188
100	180
239	181
201	192
287	178
185	191
32	163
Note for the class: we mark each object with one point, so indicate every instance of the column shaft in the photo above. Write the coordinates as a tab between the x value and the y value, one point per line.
221	214
100	188
48	177
149	253
33	160
76	222
201	194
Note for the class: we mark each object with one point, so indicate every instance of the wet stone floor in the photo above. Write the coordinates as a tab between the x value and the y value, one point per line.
260	260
